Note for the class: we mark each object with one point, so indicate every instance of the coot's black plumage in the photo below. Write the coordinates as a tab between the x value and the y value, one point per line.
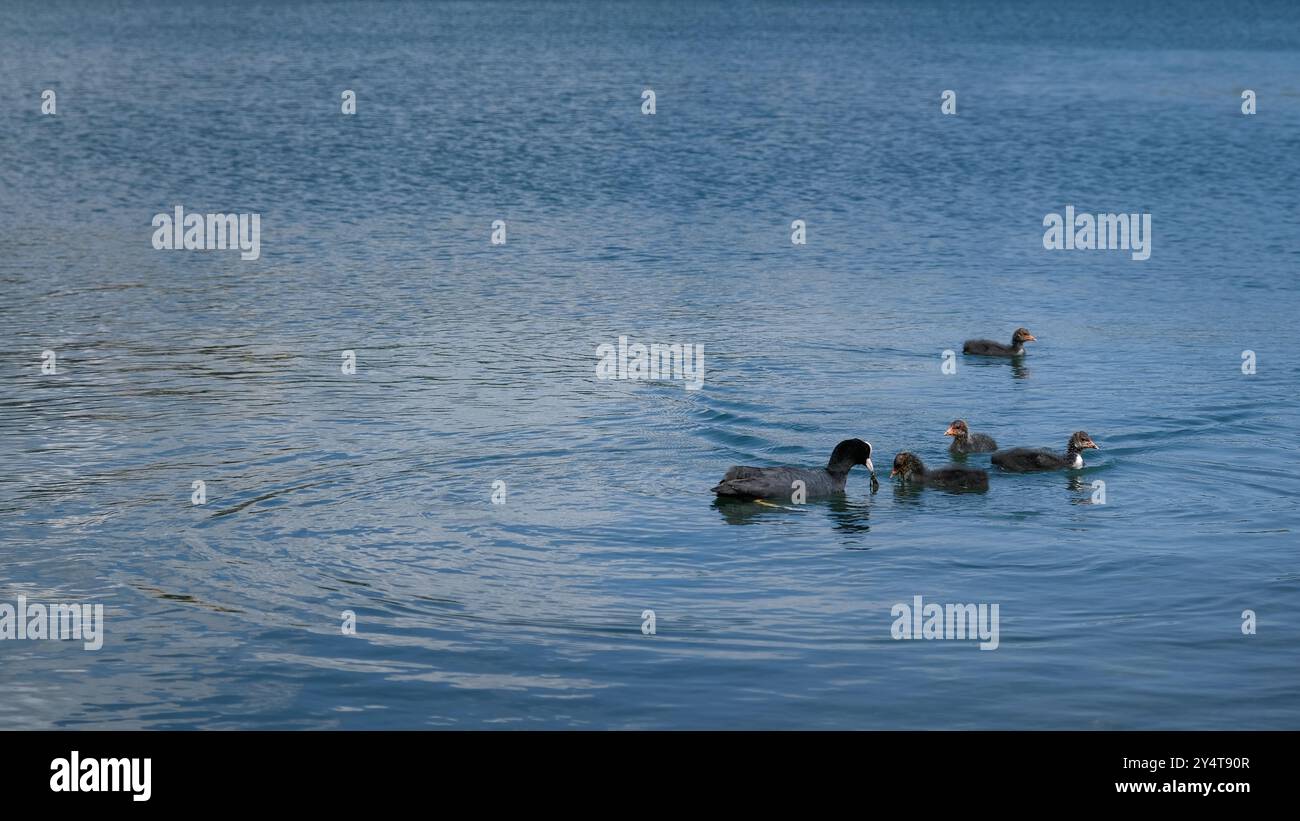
908	467
987	347
778	483
1026	460
966	442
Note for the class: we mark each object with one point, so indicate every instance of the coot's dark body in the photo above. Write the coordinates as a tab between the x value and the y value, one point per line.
742	482
966	442
987	347
1031	460
909	468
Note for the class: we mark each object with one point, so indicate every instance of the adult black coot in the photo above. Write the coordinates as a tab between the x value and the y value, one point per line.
778	483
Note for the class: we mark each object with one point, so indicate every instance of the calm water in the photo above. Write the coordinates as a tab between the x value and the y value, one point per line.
476	363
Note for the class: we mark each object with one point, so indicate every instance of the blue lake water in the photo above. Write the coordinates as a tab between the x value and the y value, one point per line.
476	363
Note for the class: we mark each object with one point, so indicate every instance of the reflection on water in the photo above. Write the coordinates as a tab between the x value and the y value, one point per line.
849	515
845	513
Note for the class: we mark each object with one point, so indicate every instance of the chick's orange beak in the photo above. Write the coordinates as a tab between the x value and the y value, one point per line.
1031	338
951	431
893	473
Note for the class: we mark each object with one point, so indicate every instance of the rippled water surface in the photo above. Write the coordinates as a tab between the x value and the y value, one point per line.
476	363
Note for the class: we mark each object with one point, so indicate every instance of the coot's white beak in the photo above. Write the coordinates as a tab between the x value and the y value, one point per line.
871	467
